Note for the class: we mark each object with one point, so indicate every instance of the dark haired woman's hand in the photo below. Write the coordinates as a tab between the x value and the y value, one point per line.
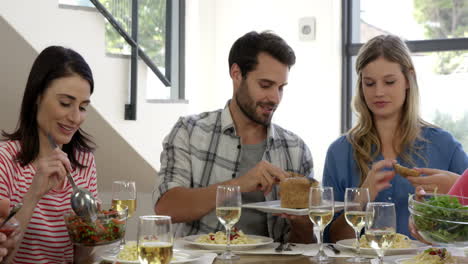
50	172
379	179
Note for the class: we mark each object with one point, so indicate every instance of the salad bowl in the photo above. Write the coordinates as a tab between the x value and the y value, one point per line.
108	228
440	219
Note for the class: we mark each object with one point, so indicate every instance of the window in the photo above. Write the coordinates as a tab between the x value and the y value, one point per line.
160	35
437	34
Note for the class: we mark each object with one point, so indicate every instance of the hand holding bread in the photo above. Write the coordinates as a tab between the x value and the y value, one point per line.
440	179
262	177
378	178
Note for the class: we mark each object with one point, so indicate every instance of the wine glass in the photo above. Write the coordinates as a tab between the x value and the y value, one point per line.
356	200
124	195
321	209
155	239
380	226
228	211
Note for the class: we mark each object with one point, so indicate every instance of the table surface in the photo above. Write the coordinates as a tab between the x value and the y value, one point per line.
299	259
267	259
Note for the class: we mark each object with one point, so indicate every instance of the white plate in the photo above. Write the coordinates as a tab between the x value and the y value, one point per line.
400	261
177	258
235	247
415	247
274	207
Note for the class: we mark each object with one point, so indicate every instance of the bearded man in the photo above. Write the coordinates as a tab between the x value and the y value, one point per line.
237	145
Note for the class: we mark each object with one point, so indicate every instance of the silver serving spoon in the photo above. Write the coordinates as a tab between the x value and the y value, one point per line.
82	201
13	211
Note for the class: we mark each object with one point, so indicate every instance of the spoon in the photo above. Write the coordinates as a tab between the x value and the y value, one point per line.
82	201
12	213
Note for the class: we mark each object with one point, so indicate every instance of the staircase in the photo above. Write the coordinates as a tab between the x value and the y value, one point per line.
126	149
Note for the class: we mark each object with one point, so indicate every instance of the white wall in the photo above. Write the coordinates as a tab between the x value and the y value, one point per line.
43	23
311	102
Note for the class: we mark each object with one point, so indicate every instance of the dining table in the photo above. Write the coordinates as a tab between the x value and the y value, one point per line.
301	254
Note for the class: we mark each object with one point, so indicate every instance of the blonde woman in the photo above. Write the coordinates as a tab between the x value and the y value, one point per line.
389	129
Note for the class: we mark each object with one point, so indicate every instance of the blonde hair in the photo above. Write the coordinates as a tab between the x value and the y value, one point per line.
363	136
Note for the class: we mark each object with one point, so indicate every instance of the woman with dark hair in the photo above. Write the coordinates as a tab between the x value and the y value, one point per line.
54	104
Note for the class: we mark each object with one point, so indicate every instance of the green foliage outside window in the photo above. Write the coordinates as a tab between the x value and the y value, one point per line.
444	19
458	128
151	28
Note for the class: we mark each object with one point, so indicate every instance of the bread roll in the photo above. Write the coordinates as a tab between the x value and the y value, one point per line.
294	192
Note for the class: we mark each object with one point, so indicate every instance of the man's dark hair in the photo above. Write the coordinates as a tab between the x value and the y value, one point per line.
52	63
244	52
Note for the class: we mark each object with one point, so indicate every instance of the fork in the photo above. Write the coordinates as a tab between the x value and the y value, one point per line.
288	247
280	247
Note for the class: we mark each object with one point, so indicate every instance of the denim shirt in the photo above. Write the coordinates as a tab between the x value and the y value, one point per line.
439	149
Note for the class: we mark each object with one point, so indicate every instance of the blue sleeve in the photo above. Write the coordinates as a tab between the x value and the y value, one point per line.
331	178
459	161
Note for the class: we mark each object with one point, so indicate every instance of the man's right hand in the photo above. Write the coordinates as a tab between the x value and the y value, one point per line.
262	177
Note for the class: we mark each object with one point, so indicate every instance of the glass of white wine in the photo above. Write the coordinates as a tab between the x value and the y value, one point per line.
380	226
228	211
356	200
124	195
155	239
321	209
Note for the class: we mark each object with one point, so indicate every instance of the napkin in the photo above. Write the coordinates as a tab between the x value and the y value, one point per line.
313	250
207	258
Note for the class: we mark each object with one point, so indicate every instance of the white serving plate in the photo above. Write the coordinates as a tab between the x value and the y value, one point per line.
274	207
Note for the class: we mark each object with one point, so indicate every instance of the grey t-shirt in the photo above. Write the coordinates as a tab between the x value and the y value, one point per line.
252	222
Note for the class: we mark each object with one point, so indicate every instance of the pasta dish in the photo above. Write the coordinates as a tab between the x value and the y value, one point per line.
129	252
237	238
399	241
432	256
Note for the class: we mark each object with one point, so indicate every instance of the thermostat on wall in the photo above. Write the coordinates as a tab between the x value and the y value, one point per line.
307	28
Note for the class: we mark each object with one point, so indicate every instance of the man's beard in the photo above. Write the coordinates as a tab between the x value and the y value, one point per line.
248	106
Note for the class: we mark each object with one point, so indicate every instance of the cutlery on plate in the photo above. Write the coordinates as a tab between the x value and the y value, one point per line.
333	248
288	247
280	247
11	214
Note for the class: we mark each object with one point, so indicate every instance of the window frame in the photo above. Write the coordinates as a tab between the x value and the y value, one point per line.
350	48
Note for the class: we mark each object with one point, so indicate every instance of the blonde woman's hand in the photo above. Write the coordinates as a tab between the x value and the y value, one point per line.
440	179
50	171
379	179
419	193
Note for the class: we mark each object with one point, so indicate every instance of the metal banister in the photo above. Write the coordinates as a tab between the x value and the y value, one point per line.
131	42
130	109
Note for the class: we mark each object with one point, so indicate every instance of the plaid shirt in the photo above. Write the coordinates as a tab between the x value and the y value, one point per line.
204	149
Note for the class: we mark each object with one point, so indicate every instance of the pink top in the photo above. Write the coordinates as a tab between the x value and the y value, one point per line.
460	188
46	238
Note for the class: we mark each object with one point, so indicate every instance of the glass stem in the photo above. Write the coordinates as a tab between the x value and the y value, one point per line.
358	245
228	240
320	241
381	259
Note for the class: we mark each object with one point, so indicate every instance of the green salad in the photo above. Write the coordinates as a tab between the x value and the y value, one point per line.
437	224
